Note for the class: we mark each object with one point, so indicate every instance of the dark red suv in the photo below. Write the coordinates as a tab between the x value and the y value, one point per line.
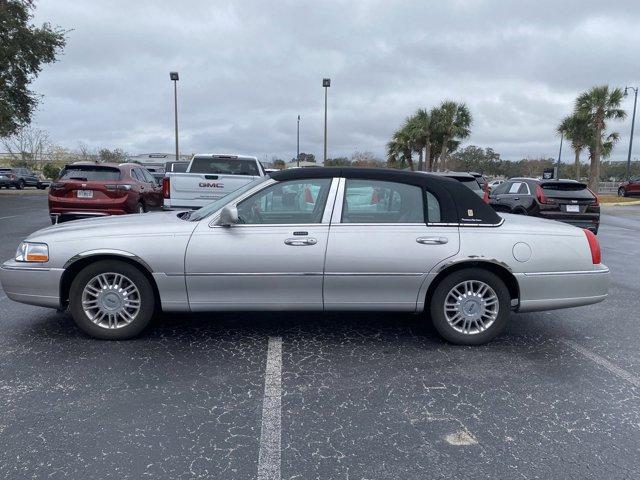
97	189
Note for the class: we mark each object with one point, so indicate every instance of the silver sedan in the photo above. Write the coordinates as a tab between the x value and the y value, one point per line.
314	239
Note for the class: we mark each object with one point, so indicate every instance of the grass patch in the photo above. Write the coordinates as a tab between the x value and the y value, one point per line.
616	199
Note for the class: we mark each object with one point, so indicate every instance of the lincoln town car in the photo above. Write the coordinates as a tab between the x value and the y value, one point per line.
332	239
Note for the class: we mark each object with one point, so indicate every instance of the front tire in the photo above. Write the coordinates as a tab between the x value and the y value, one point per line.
20	185
622	192
470	306
140	208
111	300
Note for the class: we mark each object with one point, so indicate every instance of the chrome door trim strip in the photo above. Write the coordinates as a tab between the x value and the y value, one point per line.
30	268
249	274
374	274
331	201
574	272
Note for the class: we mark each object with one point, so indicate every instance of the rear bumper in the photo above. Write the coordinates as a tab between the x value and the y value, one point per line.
589	221
33	285
553	290
71	207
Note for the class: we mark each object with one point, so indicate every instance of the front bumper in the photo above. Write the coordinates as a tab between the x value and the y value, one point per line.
553	290
33	284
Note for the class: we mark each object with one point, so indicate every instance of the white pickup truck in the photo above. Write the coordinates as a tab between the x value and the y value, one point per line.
208	178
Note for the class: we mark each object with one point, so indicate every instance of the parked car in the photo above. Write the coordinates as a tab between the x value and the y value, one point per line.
484	184
467	179
564	200
100	189
309	239
20	178
493	184
208	178
176	167
630	187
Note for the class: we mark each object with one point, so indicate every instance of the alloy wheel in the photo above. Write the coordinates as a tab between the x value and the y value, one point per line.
471	307
111	300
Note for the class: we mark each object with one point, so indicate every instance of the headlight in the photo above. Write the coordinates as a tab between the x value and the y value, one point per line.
32	252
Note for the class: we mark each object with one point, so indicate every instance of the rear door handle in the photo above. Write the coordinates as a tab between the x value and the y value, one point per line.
432	240
300	242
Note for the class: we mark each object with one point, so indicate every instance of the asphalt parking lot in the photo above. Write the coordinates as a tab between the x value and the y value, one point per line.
348	396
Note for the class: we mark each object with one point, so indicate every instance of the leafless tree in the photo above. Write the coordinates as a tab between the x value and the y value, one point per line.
28	147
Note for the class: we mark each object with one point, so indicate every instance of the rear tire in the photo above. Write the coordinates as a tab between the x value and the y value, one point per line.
140	208
20	185
111	300
470	306
622	192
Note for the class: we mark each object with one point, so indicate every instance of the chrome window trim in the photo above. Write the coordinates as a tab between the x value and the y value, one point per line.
325	215
336	216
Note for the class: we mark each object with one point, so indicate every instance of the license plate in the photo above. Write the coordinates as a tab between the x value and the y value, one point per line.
85	194
573	208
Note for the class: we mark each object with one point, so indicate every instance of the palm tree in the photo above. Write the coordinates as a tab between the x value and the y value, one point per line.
414	132
599	105
399	148
451	121
575	128
420	128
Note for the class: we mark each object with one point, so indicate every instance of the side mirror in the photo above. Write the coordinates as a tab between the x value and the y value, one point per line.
228	216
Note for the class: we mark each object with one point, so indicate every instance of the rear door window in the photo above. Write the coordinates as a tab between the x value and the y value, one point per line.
373	201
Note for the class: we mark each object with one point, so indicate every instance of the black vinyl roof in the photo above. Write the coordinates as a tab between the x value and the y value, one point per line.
458	203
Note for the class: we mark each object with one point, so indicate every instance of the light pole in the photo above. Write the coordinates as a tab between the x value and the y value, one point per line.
633	121
174	77
298	143
326	83
559	157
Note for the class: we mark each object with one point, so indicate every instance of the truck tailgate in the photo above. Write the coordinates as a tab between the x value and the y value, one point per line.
195	190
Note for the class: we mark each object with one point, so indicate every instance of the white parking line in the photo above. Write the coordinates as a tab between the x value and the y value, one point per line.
269	456
12	216
617	371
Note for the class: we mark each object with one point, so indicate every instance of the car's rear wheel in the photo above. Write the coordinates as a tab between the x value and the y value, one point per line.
20	185
470	306
111	300
622	192
140	208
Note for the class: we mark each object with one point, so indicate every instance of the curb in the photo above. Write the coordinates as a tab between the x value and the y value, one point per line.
621	204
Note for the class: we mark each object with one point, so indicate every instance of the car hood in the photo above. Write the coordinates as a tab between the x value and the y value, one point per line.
118	225
523	223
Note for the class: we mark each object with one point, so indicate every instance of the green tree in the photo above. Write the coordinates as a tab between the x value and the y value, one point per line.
418	127
51	170
451	122
337	162
399	150
112	156
24	49
598	105
577	130
278	163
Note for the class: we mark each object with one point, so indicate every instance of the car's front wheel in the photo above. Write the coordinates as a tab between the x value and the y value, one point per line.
622	192
20	185
111	300
470	306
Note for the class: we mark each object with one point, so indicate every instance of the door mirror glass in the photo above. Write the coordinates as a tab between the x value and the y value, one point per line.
228	216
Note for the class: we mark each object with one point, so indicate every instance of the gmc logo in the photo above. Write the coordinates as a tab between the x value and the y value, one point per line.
210	185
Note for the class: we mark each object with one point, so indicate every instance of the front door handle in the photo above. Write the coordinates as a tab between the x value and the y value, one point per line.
432	240
300	242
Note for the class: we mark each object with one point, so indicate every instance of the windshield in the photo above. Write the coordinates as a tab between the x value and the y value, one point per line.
224	166
218	204
90	173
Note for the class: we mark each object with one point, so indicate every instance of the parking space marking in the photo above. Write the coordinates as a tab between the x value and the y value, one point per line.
617	371
12	216
270	435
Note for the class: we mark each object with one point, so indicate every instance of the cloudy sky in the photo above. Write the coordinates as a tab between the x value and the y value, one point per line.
248	68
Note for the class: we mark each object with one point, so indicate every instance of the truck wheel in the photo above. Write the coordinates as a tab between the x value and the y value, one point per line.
470	306
111	300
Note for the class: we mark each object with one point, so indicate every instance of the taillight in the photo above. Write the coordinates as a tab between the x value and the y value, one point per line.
595	195
166	187
594	246
540	195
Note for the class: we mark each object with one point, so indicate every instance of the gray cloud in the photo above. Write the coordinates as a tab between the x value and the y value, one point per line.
249	68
